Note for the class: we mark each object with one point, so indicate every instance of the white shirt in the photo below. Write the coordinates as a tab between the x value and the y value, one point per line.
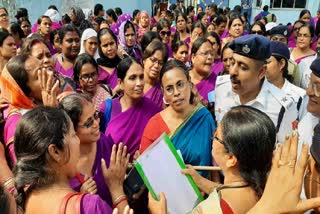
305	71
270	100
296	93
305	130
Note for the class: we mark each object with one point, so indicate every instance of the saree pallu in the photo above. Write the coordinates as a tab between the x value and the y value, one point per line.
155	95
194	138
207	85
106	78
67	73
19	103
127	127
217	67
94	204
104	148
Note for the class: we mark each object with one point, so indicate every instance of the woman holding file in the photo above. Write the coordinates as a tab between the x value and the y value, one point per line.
189	126
243	146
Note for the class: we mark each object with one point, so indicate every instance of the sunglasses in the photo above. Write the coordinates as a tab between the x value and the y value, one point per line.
91	120
259	32
163	33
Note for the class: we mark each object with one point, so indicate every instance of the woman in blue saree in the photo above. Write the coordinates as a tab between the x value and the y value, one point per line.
189	125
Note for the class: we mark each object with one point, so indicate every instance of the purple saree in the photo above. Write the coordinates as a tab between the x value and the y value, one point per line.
155	95
67	73
217	67
106	78
169	49
127	127
207	85
94	204
104	148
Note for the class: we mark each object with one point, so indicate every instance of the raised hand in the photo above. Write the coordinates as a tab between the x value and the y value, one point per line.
284	184
115	174
49	87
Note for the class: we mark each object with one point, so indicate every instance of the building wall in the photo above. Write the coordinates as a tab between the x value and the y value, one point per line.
283	15
37	7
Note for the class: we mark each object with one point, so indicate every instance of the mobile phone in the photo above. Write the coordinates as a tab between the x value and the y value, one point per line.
133	183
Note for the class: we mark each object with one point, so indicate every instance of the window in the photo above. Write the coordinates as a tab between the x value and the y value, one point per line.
288	3
258	3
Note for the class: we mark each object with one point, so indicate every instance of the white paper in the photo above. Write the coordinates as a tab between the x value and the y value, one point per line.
164	175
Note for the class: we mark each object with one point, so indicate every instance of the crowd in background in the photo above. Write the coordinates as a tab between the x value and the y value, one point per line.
84	94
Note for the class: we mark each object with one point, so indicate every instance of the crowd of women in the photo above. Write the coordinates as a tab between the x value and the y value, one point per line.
84	95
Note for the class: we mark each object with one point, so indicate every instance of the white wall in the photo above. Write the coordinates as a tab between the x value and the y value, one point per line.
283	15
37	8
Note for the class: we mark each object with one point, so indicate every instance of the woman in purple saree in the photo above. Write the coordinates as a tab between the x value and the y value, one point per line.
52	153
154	57
70	48
126	117
128	39
108	61
202	56
217	65
93	144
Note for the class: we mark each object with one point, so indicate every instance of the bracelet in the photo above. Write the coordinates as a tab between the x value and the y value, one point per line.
11	189
8	181
117	199
124	198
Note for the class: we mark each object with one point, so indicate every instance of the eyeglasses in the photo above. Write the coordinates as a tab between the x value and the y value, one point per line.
155	61
303	35
315	88
87	77
222	142
91	120
206	54
180	86
3	15
163	33
259	32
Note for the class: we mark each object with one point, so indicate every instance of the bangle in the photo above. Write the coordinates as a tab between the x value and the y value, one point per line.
123	198
11	189
8	181
117	199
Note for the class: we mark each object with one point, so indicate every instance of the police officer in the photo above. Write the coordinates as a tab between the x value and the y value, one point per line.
277	74
281	33
248	86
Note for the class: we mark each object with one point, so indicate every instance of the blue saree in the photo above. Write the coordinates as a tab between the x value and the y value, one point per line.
194	138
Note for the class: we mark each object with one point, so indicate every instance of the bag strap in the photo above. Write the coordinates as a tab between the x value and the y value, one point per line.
64	203
107	89
78	203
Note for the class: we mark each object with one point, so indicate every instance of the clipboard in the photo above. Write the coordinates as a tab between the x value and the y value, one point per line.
160	168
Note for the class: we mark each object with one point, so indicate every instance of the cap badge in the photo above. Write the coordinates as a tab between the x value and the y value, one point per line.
285	32
246	49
